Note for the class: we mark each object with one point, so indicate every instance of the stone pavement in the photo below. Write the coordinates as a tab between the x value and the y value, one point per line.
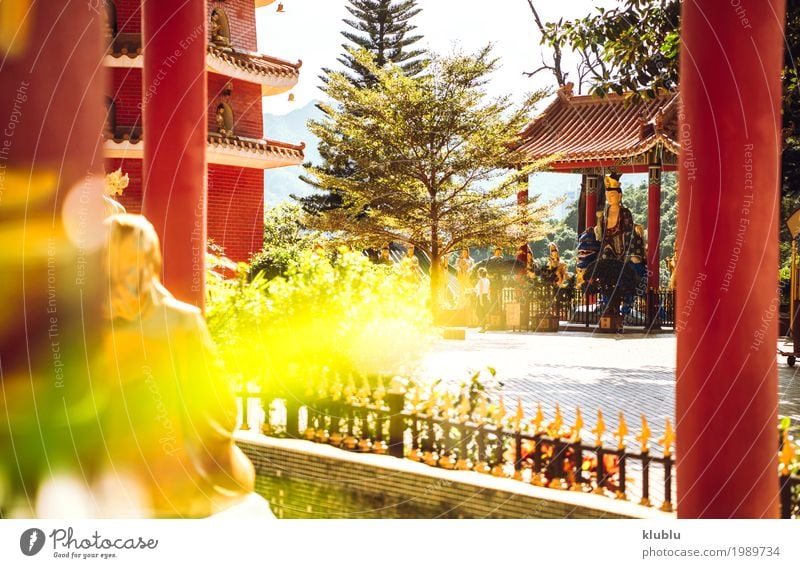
630	373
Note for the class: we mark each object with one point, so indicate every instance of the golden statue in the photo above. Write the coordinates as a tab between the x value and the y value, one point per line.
464	265
217	37
221	129
172	412
555	268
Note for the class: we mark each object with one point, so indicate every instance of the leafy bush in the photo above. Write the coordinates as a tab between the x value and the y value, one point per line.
346	316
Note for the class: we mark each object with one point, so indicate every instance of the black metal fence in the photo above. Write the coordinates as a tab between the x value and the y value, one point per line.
653	309
470	435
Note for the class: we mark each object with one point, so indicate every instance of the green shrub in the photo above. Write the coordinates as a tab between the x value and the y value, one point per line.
346	316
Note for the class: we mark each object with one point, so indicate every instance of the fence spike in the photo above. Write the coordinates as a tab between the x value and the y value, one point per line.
787	455
336	388
430	404
364	392
667	439
600	429
557	424
621	431
447	406
380	391
482	410
519	416
416	400
576	430
644	437
538	419
464	407
350	389
500	413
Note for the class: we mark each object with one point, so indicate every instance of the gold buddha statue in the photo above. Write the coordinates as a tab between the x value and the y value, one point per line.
172	411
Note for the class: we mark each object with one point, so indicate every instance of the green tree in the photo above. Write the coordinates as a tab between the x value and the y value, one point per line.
426	149
285	238
634	49
383	28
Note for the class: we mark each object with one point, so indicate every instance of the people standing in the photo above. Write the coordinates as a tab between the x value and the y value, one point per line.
482	298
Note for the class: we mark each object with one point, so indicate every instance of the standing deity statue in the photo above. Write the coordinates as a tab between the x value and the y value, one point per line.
555	269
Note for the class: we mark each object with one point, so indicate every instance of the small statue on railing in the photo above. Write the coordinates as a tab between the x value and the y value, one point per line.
555	269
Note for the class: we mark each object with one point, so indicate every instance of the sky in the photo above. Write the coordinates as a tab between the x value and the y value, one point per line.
311	30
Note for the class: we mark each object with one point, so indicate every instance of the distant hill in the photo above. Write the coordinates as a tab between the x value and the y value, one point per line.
280	183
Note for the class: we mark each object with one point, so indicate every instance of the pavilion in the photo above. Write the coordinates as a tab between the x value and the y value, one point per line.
595	136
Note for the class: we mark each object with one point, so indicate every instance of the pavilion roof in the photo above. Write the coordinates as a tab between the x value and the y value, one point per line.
580	131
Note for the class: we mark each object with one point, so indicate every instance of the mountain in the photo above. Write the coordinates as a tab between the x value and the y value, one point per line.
281	183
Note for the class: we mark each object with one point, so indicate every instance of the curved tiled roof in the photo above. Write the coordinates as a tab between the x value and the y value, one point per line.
580	129
256	62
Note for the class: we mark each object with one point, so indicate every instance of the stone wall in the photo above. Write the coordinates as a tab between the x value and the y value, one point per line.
308	480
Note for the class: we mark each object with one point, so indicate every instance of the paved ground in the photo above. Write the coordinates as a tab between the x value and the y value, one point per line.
629	373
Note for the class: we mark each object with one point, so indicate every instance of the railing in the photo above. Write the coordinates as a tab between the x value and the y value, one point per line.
471	435
573	305
466	433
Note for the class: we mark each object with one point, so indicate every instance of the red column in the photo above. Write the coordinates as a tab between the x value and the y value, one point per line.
653	225
174	127
727	307
51	214
591	201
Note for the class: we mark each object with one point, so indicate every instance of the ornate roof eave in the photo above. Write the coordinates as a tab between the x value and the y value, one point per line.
275	75
236	151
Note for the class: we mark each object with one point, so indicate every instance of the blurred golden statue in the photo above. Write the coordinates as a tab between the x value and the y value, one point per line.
172	411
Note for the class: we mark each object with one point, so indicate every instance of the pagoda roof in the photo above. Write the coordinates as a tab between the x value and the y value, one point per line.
579	132
273	74
127	142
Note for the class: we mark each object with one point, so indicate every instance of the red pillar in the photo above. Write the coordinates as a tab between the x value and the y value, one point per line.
727	307
591	201
653	225
51	214
174	127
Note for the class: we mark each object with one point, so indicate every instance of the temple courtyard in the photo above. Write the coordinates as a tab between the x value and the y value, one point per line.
632	373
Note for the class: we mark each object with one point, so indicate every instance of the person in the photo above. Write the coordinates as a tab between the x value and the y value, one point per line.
169	427
411	265
464	265
482	297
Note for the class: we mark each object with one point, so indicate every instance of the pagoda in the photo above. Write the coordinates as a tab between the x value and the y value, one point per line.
237	152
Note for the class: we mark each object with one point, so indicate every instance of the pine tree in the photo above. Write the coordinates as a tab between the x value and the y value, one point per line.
383	28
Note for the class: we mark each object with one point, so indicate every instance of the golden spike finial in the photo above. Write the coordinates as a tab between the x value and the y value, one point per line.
464	407
621	431
519	416
557	424
380	390
787	455
416	399
500	413
447	405
364	392
600	429
667	439
430	404
644	437
538	419
350	389
482	411
576	430
336	388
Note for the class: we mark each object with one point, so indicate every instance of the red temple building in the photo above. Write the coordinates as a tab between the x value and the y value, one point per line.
237	151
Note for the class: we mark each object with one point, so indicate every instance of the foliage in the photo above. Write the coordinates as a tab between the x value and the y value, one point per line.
425	149
285	238
345	316
382	27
